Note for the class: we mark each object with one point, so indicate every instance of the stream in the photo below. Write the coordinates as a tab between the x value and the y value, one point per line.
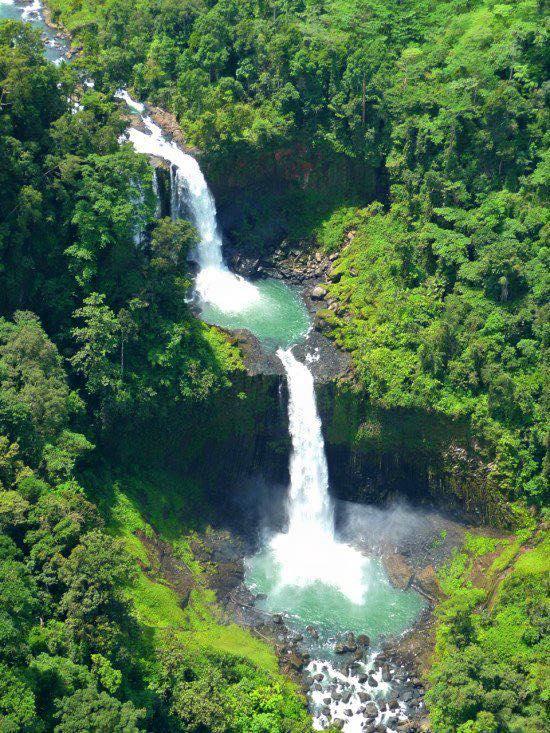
333	599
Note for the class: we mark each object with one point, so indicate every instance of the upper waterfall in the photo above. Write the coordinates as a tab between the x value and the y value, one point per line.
309	551
214	283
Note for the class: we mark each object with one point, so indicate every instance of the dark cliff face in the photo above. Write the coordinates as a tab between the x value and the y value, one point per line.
236	446
376	455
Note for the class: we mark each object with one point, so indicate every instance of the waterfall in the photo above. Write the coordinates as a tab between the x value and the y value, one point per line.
310	508
214	283
309	551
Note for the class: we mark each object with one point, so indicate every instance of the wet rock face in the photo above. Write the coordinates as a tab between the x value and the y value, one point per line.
324	360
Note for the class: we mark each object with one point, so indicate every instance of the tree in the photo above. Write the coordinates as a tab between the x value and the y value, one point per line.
91	711
36	401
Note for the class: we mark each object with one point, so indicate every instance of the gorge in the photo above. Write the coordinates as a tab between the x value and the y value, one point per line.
273	448
305	572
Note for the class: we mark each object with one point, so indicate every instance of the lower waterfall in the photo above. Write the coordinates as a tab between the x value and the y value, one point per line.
309	552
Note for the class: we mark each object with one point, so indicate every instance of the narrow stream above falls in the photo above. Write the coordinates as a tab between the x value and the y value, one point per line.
327	591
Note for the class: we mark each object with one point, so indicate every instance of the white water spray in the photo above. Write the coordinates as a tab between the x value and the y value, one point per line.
31	10
308	551
214	283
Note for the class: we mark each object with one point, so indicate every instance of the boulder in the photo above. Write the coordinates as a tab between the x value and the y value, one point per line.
318	292
338	723
371	710
363	640
296	660
428	583
399	570
363	696
372	682
312	631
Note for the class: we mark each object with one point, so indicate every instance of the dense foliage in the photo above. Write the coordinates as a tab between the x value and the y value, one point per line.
490	666
407	137
84	259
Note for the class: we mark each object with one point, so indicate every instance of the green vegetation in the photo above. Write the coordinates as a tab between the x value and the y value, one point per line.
436	109
489	672
405	137
95	336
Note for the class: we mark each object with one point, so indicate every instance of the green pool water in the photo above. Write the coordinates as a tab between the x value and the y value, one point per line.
278	320
385	610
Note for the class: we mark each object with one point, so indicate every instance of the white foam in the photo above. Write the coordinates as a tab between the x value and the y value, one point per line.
309	551
215	283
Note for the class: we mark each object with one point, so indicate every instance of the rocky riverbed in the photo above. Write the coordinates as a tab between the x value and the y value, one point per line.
361	684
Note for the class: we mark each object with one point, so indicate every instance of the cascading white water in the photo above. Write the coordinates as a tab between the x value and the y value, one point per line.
308	551
215	283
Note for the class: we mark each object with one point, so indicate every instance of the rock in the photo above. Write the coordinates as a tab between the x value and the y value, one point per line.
327	700
340	648
371	710
312	631
393	704
296	660
358	655
338	723
326	712
318	292
333	256
428	582
334	277
372	682
363	640
319	677
386	674
277	618
362	678
392	721
336	696
346	697
318	257
399	570
381	728
363	696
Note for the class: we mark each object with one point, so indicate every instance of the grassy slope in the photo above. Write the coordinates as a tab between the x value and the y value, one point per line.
141	503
